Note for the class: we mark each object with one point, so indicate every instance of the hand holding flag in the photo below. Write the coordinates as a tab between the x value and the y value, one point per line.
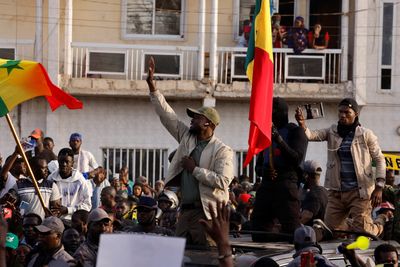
259	69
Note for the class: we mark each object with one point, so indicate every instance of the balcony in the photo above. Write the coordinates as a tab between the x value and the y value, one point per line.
110	69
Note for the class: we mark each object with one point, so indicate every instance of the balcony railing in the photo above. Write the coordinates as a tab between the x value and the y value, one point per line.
92	60
322	66
129	62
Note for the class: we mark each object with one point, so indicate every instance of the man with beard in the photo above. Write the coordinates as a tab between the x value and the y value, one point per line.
98	223
277	198
71	240
202	165
50	250
353	191
73	187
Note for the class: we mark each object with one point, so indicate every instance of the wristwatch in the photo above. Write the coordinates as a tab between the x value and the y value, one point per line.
380	184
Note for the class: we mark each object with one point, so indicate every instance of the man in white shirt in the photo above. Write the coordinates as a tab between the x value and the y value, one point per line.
84	161
74	189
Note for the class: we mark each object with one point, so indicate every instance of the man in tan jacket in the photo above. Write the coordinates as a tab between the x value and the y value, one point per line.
353	191
202	165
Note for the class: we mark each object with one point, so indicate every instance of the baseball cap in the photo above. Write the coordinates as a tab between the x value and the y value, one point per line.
11	241
304	235
312	166
208	112
51	224
37	133
147	202
351	103
97	215
75	136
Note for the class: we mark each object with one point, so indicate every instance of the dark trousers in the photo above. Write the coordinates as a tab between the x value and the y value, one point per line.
277	200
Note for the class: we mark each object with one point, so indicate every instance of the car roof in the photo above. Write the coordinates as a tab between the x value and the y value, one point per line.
281	252
329	250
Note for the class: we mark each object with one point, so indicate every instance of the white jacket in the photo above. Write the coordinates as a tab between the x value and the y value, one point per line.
75	192
215	171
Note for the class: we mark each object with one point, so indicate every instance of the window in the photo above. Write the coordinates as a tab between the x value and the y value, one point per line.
152	18
7	53
106	62
387	46
151	163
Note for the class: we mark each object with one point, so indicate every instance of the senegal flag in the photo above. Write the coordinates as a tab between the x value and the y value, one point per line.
259	69
21	80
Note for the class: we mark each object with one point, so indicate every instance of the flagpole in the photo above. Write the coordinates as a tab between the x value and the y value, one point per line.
22	153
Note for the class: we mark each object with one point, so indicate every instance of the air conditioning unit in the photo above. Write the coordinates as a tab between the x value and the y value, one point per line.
238	66
106	62
168	65
7	53
308	67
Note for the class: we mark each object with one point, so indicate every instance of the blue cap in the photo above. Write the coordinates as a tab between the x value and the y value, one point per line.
75	136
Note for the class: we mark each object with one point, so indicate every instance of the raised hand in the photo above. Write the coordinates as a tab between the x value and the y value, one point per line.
150	75
300	117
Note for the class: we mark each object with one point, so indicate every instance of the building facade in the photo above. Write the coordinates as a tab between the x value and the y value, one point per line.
97	51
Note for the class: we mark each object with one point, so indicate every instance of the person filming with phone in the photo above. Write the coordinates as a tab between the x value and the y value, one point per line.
353	191
202	165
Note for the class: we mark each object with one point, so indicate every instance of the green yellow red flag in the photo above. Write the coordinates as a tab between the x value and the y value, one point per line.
21	80
259	70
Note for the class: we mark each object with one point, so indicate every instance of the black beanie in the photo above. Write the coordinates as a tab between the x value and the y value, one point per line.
351	103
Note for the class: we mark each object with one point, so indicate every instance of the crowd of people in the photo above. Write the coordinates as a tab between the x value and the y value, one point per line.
57	212
297	37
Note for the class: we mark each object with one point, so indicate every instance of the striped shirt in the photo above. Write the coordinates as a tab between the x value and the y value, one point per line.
347	172
26	192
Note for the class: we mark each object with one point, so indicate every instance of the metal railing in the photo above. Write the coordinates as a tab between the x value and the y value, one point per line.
151	163
134	61
181	62
311	65
249	170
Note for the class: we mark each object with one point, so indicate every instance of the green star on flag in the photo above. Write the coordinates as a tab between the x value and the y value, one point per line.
10	65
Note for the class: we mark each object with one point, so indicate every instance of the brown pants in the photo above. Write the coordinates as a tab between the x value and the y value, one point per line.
342	205
188	226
